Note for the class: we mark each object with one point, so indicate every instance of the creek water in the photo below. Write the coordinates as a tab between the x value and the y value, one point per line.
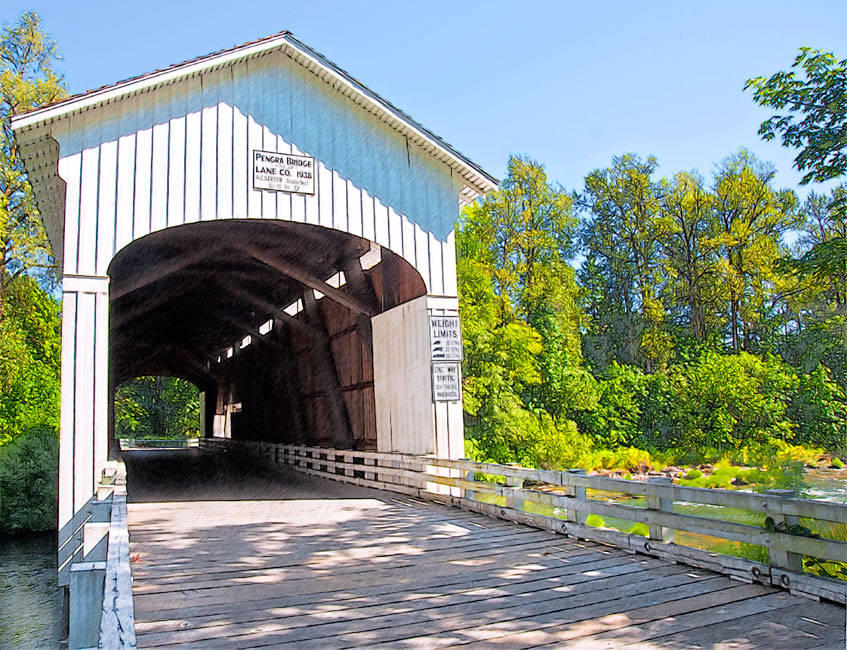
30	598
827	484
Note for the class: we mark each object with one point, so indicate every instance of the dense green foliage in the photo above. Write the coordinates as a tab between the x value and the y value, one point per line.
816	118
29	408
29	315
158	408
689	328
29	482
29	360
27	80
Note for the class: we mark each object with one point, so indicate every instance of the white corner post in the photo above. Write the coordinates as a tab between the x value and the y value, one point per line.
84	428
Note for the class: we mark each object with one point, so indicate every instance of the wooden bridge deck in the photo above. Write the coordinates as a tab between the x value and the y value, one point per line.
232	557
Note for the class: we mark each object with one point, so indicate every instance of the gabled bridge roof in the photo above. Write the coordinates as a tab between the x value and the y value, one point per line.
475	180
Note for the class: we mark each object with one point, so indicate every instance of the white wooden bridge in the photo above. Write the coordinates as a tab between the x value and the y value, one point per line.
260	223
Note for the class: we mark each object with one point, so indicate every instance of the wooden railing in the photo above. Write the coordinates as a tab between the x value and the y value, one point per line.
153	443
563	501
101	612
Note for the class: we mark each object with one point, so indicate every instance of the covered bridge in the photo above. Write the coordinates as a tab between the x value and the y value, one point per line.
260	223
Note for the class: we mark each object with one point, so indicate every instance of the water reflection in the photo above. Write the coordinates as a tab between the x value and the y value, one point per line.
30	599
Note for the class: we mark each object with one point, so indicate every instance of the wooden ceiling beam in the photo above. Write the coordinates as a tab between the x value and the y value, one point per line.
312	282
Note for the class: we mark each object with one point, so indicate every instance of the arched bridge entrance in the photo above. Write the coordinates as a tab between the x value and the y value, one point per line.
276	322
260	223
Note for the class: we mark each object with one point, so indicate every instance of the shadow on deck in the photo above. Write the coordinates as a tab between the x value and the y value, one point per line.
235	554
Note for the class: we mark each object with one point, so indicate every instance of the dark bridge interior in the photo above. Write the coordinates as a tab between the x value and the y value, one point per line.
271	320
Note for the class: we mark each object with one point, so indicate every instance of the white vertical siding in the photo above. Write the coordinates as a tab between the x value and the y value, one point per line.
84	401
193	149
448	263
324	191
183	153
225	161
436	269
87	251
268	197
101	381
209	156
66	424
354	209
176	172
241	165
125	191
143	172
422	262
340	219
402	390
395	232
161	150
69	171
283	199
106	201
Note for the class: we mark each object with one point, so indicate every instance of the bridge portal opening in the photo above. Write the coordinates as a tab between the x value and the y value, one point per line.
157	410
271	321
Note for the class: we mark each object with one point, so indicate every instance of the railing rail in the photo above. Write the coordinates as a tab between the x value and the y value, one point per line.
117	621
157	443
101	613
566	494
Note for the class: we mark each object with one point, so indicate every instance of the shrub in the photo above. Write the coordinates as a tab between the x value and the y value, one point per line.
728	401
29	482
819	408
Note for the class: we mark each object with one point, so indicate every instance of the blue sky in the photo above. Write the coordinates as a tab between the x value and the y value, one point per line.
569	83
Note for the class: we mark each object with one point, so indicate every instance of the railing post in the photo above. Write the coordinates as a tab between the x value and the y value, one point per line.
515	501
576	492
469	495
657	531
86	604
779	558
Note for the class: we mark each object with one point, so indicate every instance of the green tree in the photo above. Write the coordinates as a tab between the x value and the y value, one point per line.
29	360
823	247
524	233
726	401
518	301
27	80
819	409
689	251
622	232
29	482
157	407
816	117
752	217
816	124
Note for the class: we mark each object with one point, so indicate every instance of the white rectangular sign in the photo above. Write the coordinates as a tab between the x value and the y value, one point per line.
446	386
283	172
445	337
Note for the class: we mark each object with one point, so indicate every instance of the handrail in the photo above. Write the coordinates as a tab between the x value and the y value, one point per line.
117	622
157	443
453	481
101	610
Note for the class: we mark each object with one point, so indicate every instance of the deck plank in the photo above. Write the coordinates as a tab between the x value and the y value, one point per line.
231	557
